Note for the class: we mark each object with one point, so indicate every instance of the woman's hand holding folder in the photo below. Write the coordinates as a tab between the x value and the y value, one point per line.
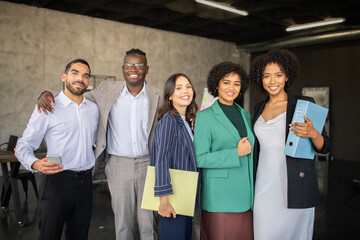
165	208
307	130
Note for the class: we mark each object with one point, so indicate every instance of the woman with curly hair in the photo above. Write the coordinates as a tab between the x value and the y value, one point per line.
173	148
223	143
286	188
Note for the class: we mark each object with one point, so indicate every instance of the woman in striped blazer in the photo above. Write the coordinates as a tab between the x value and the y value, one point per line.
173	148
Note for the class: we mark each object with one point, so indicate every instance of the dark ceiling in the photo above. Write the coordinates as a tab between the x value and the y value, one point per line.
266	21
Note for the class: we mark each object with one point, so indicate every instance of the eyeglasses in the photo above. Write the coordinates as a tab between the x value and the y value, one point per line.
138	66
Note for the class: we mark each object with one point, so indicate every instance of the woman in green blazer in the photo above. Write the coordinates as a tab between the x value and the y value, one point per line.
223	143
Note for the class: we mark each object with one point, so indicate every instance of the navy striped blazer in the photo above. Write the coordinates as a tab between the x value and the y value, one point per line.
172	148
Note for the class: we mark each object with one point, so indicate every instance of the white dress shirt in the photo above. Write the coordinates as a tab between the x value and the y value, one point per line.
127	129
69	132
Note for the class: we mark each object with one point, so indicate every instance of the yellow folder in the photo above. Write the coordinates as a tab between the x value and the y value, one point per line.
184	184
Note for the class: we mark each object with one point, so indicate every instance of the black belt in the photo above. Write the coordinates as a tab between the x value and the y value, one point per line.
77	173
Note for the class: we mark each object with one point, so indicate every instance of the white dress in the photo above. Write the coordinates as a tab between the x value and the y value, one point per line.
272	219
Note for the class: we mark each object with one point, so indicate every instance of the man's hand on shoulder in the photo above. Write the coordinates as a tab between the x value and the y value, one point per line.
46	102
46	167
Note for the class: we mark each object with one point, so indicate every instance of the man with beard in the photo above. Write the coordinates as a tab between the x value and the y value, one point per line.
128	113
66	189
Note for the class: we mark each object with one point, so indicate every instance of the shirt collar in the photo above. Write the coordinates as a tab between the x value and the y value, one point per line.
126	90
67	101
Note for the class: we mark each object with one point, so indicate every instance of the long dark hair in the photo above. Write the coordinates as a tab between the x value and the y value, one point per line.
167	105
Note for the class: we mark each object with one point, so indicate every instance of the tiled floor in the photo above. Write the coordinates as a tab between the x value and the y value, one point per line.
337	218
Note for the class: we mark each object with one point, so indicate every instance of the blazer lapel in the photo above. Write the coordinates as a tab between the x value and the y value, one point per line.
221	117
112	94
188	142
290	111
258	110
153	101
250	135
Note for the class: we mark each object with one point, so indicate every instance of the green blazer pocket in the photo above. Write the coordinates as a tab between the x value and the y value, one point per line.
217	173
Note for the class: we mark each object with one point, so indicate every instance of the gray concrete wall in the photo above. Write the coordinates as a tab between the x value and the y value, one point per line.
36	44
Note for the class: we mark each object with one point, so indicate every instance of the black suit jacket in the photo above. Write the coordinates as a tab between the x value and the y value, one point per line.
303	190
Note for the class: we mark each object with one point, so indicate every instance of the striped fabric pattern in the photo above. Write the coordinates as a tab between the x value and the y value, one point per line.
172	148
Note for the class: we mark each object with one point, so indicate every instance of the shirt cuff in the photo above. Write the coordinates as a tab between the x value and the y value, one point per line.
29	163
163	190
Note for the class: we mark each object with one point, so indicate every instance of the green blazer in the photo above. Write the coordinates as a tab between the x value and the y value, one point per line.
226	178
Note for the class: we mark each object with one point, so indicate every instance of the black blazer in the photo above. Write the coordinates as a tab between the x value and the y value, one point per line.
303	190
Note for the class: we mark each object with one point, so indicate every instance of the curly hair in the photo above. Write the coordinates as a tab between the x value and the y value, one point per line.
287	61
219	71
167	105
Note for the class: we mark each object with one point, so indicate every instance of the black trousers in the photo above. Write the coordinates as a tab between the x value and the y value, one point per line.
65	197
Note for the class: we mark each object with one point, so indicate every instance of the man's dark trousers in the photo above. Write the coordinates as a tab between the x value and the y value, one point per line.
65	197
